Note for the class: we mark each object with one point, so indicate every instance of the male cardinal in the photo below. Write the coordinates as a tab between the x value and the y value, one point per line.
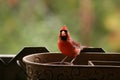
67	46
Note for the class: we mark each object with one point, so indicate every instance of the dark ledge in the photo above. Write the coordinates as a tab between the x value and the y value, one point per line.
9	70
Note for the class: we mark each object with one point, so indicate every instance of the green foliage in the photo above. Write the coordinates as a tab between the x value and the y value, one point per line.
37	23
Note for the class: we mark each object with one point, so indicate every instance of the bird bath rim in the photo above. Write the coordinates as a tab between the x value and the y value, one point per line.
26	61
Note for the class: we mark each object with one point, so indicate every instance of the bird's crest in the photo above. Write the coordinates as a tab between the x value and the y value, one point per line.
64	27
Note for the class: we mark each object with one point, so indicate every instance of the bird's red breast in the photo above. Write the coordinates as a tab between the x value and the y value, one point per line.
66	45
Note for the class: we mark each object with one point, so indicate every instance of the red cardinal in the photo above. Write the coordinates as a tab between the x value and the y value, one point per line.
67	46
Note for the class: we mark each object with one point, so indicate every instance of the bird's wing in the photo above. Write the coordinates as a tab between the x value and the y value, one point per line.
75	44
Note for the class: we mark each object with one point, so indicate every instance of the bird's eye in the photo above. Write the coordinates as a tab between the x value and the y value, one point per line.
64	31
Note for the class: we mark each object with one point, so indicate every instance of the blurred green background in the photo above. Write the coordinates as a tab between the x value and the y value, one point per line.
35	23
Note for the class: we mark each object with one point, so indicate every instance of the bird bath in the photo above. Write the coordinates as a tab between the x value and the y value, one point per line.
47	66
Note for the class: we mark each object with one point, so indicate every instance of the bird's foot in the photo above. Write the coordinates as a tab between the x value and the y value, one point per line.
73	60
63	59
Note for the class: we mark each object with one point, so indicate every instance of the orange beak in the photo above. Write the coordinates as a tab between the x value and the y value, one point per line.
63	33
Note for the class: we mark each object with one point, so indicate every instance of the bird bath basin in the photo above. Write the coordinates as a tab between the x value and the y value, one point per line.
47	66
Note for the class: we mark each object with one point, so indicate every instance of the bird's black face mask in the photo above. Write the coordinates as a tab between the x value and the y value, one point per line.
64	38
